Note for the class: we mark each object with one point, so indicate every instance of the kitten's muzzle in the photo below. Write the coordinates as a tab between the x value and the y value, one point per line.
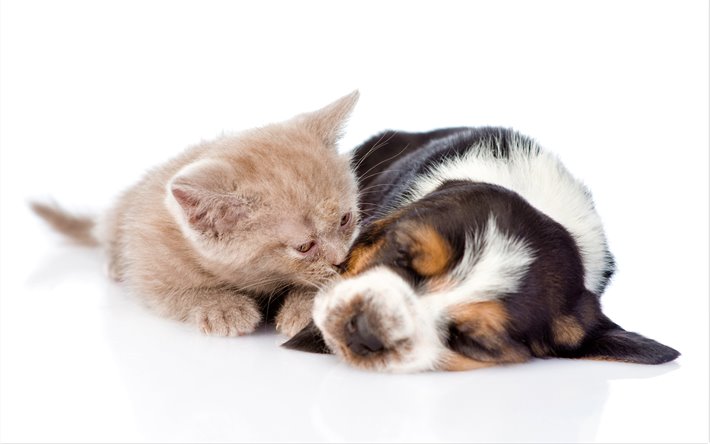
359	336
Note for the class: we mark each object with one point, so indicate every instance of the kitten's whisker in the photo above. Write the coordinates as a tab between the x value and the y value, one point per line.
376	185
261	283
323	286
321	280
269	298
362	179
379	144
364	175
367	206
372	187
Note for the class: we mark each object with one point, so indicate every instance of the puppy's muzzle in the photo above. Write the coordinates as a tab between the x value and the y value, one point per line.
359	336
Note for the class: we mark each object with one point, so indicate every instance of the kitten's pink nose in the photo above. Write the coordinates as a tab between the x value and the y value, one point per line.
334	257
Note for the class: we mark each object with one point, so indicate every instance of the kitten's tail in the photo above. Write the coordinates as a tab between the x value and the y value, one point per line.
78	228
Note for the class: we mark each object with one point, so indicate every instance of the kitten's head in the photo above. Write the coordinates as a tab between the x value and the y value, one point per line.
276	203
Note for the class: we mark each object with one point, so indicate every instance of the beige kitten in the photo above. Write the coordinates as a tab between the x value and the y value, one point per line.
208	236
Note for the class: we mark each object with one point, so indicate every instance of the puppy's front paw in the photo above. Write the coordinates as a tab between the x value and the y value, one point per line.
295	313
227	316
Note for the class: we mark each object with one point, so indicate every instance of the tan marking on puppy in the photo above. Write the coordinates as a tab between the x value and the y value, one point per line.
486	323
361	257
454	362
567	331
434	253
430	252
601	358
439	284
489	318
539	348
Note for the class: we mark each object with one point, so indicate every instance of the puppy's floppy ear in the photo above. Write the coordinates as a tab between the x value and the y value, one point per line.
609	342
309	339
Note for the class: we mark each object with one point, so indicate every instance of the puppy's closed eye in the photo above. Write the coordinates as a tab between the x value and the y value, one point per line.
423	249
402	258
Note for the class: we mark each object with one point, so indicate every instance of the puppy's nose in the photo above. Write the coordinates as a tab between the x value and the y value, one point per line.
359	337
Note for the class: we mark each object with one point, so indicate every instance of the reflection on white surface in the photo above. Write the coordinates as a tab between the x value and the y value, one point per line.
101	366
543	401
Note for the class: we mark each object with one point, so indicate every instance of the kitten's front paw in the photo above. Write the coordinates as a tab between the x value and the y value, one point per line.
295	312
227	316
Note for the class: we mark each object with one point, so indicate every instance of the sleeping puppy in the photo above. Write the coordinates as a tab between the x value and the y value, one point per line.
477	248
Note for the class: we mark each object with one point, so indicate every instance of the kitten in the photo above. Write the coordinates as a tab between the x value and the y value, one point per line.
215	233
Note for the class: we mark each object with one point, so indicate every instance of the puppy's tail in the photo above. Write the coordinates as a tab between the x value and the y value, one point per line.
77	228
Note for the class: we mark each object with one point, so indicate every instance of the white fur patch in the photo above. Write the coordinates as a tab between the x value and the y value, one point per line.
541	179
492	266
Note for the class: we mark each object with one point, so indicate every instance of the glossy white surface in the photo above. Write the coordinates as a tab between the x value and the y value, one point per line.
94	93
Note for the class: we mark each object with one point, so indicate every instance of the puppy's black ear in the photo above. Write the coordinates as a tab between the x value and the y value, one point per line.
609	342
309	339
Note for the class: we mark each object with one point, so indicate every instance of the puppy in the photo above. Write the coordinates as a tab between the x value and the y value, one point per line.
478	248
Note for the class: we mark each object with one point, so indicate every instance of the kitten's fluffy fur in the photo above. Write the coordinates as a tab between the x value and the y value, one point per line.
207	236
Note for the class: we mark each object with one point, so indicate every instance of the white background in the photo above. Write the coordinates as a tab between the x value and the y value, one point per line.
94	93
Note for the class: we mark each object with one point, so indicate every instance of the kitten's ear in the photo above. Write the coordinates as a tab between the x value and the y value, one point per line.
328	122
205	202
610	342
206	211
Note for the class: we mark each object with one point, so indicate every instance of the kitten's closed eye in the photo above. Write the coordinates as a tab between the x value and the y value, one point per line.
305	247
347	217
